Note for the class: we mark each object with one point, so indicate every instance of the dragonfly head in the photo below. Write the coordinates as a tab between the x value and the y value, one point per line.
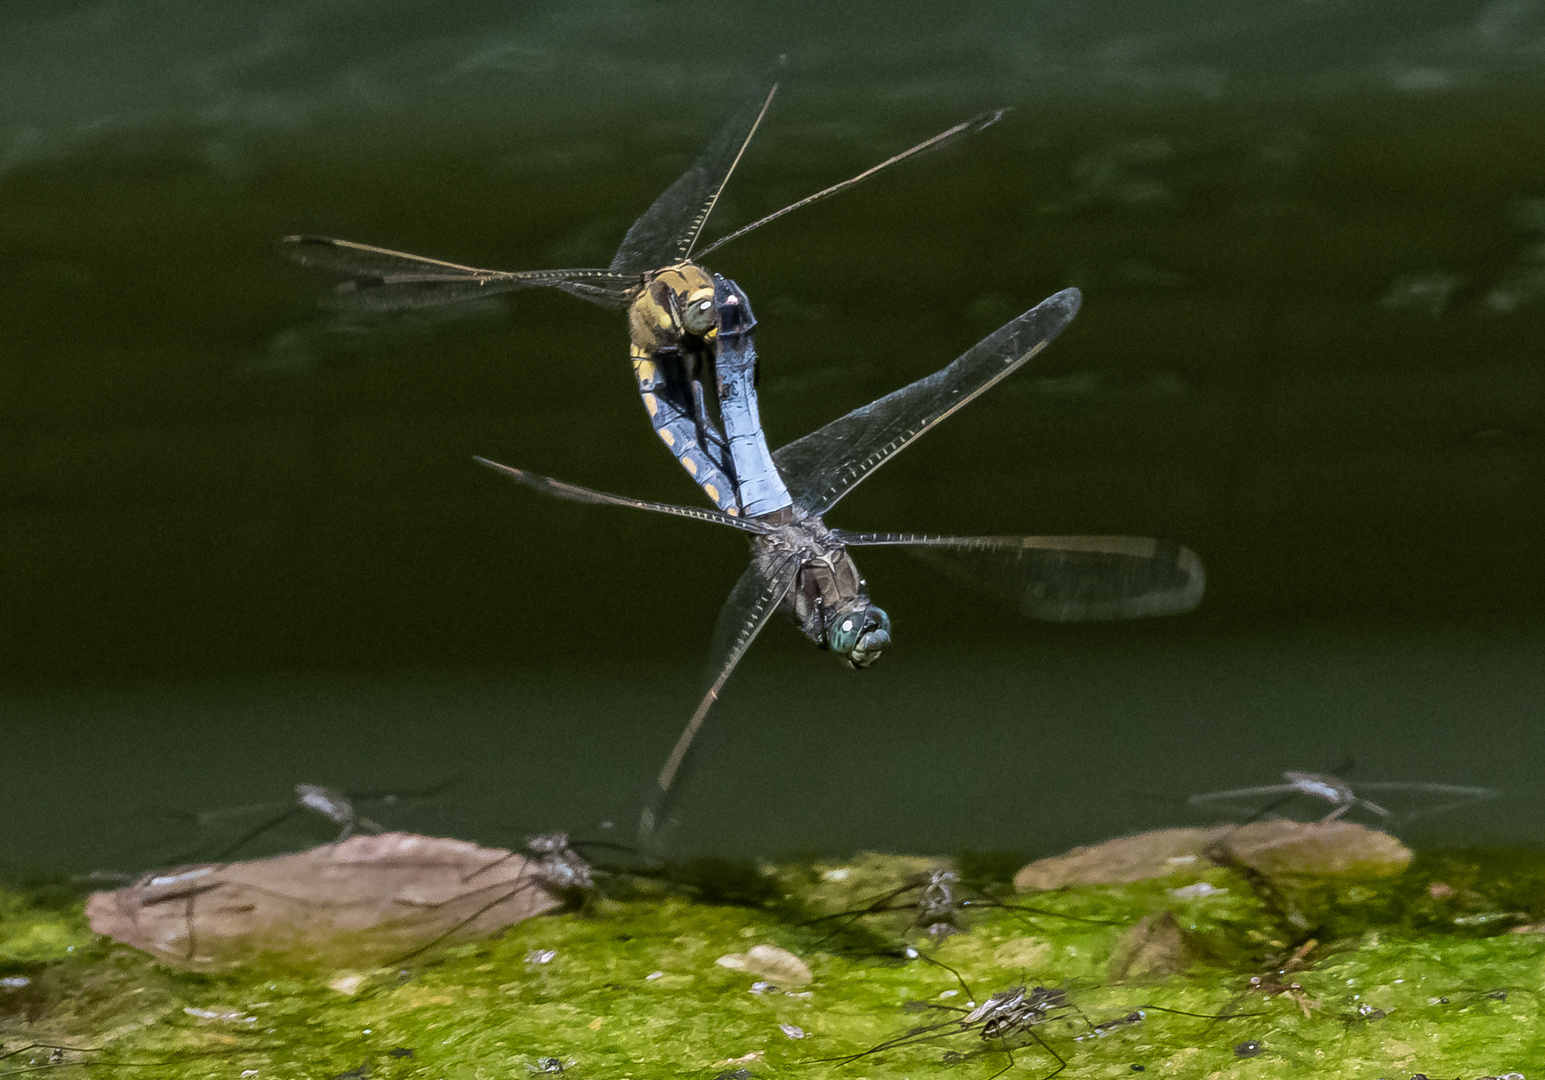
675	302
858	632
698	316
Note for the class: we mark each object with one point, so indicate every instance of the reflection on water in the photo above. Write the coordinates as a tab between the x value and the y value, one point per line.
1313	258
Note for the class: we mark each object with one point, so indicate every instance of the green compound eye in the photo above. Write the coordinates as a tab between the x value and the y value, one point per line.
699	317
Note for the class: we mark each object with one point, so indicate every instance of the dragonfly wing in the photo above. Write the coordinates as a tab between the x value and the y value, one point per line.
751	603
1064	578
574	493
380	279
825	465
667	231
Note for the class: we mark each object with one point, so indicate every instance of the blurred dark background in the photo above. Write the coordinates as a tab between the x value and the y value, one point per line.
242	542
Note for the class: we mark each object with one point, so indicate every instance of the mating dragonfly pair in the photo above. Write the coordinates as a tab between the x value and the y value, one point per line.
690	329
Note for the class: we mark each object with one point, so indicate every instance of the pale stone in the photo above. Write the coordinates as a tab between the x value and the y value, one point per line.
1275	847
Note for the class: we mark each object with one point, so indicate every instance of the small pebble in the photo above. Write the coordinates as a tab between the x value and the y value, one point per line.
1201	890
541	956
653	975
14	982
227	1016
791	1031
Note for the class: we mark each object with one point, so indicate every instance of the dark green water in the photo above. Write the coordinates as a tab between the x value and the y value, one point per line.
241	542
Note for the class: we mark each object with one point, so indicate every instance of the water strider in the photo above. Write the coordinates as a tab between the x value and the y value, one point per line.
338	807
937	900
656	276
1342	797
1017	1011
802	567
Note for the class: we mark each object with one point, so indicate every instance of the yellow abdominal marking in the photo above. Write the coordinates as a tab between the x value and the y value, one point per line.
713	492
651	404
733	511
665	433
644	369
688	464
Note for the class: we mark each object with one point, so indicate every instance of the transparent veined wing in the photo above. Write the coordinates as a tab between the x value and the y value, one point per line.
828	463
1063	578
558	489
380	279
667	231
751	603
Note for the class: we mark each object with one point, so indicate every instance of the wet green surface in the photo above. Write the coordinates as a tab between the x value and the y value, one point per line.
633	987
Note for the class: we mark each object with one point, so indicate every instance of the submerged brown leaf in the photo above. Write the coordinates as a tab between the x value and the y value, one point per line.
365	901
1157	946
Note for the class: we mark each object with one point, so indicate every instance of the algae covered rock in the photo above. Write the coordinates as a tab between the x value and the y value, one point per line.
367	900
1278	846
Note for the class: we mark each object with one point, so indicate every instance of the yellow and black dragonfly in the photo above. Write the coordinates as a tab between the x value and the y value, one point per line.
656	276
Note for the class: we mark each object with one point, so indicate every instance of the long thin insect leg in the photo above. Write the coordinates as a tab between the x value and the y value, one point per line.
189	923
970	993
50	1046
1008	1054
1201	1016
520	883
1061	1062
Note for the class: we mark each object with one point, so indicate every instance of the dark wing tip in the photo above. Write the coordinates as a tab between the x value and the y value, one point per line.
1068	301
1190	563
300	246
507	470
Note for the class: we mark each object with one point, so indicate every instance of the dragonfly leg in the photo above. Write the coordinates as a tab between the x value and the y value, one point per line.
671	411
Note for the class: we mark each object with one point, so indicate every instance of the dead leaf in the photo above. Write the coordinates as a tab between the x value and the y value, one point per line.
362	902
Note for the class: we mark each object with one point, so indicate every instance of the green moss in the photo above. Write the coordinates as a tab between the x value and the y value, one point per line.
633	989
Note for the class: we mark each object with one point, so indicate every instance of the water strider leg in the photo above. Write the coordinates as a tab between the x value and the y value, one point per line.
674	411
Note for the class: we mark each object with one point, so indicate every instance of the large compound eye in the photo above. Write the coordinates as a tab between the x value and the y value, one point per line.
700	317
860	635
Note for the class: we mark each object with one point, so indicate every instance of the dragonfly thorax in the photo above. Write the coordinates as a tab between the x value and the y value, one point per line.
674	302
830	598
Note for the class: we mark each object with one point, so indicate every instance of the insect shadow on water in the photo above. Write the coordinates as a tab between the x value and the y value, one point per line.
656	275
936	901
1014	1012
